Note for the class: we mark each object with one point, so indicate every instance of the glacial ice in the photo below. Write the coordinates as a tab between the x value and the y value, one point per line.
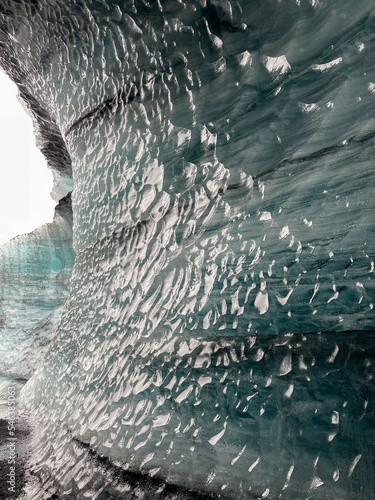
35	270
217	338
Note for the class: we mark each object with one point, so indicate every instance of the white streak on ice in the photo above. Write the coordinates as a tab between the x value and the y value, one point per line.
323	67
354	464
217	437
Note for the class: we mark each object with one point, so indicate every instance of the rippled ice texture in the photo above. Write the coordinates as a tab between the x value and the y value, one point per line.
217	336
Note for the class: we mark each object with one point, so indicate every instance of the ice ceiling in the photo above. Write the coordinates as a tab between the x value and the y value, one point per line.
214	336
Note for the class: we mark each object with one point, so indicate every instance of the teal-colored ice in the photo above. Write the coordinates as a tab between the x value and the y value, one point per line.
35	270
217	340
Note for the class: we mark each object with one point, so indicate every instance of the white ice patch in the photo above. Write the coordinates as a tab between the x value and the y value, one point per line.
185	394
253	465
261	302
216	438
307	108
245	59
276	64
161	420
265	216
354	464
324	67
284	232
284	300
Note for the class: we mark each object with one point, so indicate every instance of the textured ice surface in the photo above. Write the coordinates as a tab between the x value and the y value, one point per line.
218	331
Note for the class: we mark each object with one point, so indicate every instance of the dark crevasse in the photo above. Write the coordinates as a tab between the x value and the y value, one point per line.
217	340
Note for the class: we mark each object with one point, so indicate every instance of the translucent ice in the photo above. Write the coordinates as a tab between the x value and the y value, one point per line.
217	336
35	270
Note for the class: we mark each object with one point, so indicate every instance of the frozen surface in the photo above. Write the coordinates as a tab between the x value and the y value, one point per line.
35	270
218	332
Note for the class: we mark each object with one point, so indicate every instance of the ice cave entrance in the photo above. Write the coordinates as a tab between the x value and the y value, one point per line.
25	180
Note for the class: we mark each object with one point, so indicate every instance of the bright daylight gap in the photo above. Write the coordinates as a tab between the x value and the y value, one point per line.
25	180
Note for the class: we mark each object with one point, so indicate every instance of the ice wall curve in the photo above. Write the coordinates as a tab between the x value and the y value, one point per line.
218	332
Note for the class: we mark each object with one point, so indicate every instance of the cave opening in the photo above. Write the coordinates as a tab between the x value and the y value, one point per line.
25	180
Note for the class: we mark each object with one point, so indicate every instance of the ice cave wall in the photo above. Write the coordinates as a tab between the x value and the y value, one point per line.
218	331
